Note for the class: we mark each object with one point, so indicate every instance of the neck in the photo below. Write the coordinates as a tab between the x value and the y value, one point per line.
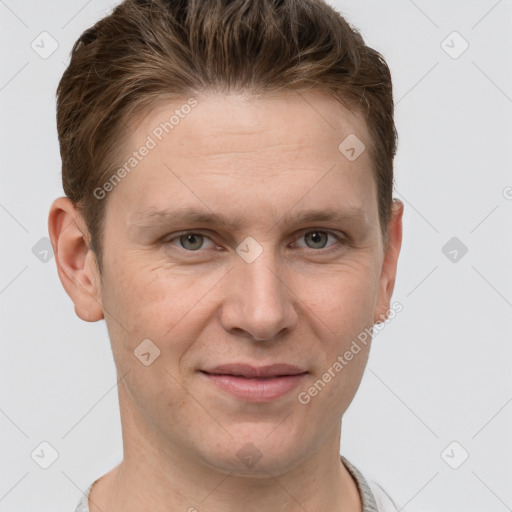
159	475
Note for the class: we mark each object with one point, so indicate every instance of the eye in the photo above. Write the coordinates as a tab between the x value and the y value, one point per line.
317	238
190	240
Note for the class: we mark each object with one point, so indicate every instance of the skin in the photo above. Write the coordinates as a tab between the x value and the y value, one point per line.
302	301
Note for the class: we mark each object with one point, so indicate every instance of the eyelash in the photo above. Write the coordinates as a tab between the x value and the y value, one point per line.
328	249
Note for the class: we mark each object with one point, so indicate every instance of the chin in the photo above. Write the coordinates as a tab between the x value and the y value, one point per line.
256	452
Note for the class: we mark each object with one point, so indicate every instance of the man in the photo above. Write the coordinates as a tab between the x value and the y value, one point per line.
228	170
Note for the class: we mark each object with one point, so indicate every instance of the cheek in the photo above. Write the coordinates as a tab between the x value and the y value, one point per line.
145	294
342	309
149	301
344	299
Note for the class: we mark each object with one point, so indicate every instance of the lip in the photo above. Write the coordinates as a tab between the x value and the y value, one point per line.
246	370
255	384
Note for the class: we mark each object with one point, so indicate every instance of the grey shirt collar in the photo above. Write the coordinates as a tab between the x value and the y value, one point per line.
366	494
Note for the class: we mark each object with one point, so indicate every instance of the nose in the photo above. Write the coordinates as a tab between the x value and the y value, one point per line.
258	300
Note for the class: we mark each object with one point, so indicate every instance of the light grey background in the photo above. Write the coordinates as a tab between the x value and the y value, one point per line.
439	372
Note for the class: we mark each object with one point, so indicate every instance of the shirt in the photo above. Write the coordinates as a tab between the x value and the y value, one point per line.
373	497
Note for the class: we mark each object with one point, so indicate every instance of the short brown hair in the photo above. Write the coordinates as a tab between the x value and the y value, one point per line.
147	51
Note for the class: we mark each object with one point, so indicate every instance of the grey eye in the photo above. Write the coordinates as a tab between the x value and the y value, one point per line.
191	241
317	238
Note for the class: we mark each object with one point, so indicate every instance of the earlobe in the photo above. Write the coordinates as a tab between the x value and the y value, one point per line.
76	263
389	265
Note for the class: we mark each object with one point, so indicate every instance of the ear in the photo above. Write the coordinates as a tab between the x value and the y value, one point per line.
76	263
389	265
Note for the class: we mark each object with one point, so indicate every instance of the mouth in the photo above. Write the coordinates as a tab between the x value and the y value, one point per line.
255	384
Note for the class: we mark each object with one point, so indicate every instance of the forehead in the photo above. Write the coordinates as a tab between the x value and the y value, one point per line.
229	123
220	145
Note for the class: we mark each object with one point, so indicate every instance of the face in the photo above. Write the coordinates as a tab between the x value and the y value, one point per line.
244	237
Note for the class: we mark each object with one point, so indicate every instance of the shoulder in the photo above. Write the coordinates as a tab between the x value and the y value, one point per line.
373	496
382	499
83	504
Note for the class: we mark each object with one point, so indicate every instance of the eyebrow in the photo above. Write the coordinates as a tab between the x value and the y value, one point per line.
151	216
